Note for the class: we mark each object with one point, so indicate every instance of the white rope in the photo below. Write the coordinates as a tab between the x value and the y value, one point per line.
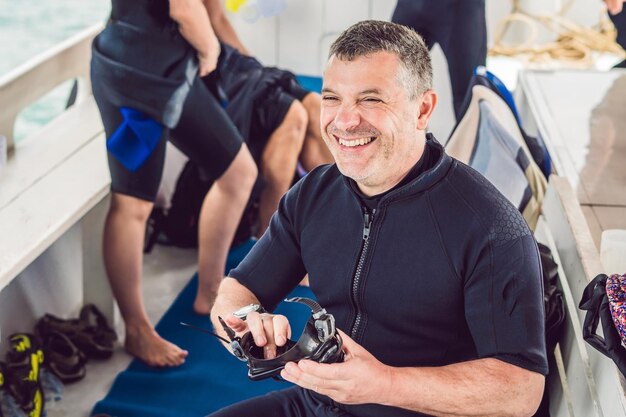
574	43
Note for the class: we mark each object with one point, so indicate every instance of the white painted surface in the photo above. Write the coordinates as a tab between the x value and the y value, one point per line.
34	219
613	251
51	197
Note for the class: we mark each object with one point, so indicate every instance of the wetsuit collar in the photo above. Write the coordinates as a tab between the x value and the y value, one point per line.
437	165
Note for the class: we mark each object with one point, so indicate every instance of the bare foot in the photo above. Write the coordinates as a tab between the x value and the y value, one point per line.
145	344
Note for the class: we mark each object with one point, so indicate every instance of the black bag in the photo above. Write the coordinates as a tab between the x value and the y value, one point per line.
554	317
596	302
178	226
552	297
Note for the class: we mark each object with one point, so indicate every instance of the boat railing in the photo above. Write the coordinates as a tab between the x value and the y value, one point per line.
32	80
55	184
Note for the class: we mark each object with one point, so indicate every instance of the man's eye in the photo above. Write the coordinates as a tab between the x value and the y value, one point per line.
329	98
372	100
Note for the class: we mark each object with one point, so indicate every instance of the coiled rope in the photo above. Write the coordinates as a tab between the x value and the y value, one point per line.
574	43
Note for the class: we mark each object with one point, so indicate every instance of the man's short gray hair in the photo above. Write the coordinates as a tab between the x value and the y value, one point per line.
371	36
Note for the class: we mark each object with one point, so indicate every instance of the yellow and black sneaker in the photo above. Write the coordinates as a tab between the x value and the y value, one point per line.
1	387
21	375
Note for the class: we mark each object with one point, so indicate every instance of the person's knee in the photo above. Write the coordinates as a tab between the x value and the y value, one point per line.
131	208
248	170
285	145
296	121
312	103
241	175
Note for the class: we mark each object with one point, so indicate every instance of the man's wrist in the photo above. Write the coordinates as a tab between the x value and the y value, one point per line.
389	389
243	312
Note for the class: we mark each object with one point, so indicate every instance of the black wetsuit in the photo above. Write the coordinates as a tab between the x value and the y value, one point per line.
204	132
443	270
257	97
460	29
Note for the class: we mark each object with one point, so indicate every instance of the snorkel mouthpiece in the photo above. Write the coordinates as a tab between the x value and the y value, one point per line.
235	346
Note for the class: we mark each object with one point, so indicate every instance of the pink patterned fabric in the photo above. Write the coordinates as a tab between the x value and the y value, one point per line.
616	293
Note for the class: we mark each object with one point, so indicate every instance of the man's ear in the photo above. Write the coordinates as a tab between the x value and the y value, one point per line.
428	101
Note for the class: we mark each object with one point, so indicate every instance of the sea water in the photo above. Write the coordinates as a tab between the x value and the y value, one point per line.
29	28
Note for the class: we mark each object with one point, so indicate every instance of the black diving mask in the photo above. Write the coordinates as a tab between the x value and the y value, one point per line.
319	342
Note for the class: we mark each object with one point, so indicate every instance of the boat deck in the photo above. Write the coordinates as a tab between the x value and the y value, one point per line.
166	271
581	115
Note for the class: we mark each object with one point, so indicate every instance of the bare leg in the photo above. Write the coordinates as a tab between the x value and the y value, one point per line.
123	255
279	160
314	152
221	210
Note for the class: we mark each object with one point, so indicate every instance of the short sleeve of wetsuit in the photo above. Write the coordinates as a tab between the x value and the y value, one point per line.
274	265
504	297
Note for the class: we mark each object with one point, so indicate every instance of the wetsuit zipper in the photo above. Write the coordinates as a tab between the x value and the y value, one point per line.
367	224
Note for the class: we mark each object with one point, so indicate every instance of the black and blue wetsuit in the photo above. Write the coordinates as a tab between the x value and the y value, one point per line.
204	131
440	270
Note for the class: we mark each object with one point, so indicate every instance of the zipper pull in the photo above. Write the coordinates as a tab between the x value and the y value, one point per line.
368	222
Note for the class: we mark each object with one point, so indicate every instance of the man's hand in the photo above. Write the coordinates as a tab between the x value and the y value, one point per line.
360	379
208	62
268	330
614	6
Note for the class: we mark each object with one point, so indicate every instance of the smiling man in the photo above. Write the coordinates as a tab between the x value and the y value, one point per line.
432	276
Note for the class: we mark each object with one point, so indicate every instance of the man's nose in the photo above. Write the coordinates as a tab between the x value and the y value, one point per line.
347	117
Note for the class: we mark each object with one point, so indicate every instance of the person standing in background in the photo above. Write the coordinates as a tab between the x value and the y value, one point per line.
460	29
134	59
615	8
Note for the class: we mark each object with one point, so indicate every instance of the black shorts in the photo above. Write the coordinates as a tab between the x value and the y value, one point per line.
290	402
270	112
204	133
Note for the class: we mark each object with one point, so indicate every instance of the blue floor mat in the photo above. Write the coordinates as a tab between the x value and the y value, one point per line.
210	379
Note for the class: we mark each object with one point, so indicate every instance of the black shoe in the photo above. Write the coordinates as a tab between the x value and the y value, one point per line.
63	358
91	333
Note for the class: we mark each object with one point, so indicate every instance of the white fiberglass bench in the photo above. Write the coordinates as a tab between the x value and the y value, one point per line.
53	193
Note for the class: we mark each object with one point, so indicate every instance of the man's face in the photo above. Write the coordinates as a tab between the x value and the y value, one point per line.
368	122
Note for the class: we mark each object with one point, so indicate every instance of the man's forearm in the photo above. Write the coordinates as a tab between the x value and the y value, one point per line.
484	387
195	25
222	27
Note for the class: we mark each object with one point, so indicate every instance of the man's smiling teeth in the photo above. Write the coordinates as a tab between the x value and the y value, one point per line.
355	142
